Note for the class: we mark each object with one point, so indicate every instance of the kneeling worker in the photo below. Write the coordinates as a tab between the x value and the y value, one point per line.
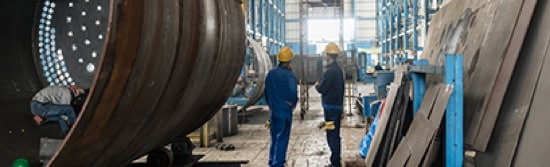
53	103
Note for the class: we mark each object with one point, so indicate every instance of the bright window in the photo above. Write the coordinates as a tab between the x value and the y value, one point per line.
327	30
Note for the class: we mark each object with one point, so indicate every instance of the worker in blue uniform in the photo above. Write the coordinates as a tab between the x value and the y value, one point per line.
281	95
378	67
332	91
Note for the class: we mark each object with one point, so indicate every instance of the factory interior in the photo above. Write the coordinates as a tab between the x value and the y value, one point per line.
254	83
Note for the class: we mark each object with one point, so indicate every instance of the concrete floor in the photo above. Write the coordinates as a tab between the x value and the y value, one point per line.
307	147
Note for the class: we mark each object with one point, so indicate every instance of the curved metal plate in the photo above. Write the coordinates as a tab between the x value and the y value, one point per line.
263	66
162	71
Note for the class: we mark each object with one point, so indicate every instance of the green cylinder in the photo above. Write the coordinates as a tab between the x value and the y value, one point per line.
20	163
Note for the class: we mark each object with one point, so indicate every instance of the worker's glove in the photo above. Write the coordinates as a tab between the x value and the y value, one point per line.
327	125
267	124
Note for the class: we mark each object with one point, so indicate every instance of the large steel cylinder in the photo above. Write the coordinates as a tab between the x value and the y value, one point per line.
156	69
262	65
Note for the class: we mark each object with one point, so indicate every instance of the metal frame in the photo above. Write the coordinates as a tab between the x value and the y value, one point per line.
395	30
454	117
453	72
266	23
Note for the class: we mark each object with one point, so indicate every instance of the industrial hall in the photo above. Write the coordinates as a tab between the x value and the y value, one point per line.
274	83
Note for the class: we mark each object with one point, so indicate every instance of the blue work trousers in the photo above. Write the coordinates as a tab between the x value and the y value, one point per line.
333	136
52	112
280	134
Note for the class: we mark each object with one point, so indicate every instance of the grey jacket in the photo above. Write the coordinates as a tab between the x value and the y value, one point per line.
58	94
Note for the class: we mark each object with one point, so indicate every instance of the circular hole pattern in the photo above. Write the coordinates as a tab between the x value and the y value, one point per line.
90	67
77	45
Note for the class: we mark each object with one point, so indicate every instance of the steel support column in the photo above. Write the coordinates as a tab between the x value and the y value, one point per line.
454	133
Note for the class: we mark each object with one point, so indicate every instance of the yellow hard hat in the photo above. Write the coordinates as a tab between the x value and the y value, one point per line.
332	48
285	54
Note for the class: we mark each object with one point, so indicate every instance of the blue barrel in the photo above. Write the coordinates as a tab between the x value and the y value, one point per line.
383	79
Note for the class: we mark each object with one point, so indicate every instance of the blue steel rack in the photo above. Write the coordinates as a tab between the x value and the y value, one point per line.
398	27
453	72
266	22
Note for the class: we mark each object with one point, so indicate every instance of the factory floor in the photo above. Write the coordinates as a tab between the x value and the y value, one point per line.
307	147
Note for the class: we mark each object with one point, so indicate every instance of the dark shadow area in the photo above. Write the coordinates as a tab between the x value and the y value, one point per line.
254	116
20	136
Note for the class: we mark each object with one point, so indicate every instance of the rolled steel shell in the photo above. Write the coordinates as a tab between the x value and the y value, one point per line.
162	68
263	65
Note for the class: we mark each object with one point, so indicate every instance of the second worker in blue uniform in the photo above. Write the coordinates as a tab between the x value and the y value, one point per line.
332	91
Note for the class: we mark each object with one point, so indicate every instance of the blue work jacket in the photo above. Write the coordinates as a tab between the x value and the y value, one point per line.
281	92
332	87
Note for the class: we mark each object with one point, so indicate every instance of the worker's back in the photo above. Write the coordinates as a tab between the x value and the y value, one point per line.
58	94
281	91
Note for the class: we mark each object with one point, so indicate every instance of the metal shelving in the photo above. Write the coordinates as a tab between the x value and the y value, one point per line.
400	25
266	23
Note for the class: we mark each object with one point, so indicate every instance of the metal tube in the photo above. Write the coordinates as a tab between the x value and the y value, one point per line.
415	29
454	133
406	26
341	25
